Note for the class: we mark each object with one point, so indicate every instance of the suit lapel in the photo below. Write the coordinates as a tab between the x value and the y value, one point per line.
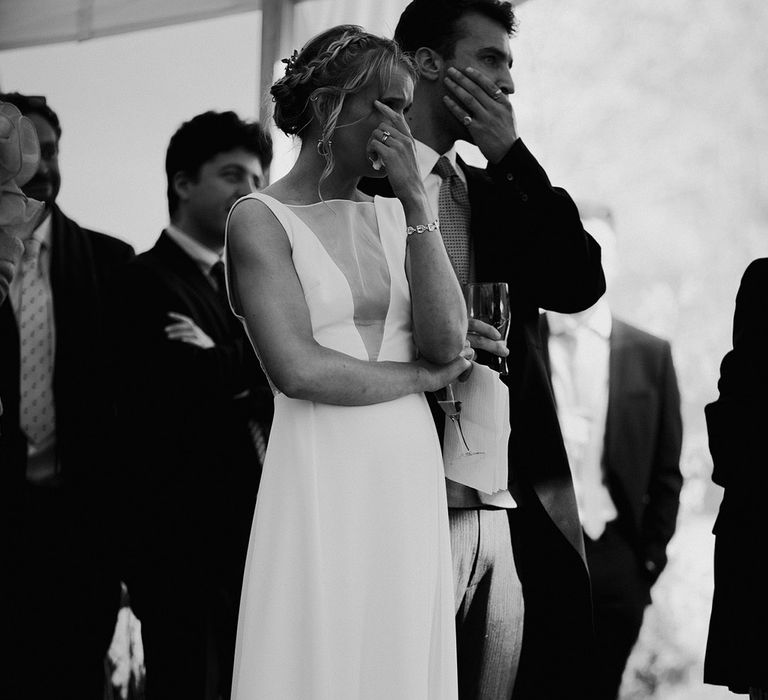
10	360
617	369
479	191
175	259
544	333
72	270
76	306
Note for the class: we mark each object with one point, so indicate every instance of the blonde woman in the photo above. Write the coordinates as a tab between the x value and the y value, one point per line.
354	311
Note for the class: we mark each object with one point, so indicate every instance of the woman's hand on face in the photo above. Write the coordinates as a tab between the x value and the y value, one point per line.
392	143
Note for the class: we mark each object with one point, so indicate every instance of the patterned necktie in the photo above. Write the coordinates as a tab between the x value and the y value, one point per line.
454	213
38	415
219	277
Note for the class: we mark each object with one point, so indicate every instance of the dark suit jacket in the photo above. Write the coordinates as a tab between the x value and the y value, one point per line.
737	647
191	471
643	439
527	233
83	263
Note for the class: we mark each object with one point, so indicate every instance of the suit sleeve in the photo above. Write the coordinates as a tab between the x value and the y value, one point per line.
179	369
736	422
666	480
562	270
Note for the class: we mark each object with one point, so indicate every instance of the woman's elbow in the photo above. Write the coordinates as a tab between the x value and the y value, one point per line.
444	347
294	381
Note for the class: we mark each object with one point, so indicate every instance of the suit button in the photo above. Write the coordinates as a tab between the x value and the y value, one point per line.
510	177
524	197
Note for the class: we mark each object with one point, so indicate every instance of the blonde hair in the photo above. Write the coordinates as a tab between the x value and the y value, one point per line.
341	61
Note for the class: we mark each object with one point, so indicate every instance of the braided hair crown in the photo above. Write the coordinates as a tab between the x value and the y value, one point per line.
337	62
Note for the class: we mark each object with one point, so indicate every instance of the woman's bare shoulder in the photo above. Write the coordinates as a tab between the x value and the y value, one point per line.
255	227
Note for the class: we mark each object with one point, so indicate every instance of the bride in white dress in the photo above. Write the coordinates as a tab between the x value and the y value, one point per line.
347	592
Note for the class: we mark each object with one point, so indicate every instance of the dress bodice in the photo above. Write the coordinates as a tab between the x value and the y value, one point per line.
350	259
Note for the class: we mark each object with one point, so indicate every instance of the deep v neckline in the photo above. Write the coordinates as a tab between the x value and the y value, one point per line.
337	247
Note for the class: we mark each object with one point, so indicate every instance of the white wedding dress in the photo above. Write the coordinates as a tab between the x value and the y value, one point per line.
348	592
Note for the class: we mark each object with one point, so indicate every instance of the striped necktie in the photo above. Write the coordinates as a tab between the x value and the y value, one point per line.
37	412
454	213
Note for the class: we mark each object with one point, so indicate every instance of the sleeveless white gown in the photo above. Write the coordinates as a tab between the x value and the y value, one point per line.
348	590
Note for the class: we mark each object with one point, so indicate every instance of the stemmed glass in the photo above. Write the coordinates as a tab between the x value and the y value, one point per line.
452	408
489	302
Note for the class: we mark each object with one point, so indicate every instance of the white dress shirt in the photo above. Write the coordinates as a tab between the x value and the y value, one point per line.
579	353
426	159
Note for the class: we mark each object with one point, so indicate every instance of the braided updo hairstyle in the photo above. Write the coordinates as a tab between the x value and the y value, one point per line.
338	62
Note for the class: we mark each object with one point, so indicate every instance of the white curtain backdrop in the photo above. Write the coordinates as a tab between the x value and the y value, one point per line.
36	22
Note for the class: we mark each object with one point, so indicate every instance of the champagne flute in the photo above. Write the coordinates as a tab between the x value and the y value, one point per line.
489	302
452	408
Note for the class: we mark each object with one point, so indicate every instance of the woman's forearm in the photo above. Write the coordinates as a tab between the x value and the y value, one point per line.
439	313
317	373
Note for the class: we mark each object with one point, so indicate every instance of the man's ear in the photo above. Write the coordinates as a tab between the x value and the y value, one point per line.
181	183
429	63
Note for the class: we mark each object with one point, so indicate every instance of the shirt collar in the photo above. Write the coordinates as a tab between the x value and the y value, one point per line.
43	232
427	157
203	256
596	319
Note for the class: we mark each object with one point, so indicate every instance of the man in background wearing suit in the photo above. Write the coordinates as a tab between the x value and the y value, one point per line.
56	446
619	410
195	408
505	223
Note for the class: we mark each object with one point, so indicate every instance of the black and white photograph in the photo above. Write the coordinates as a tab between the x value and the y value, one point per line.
383	350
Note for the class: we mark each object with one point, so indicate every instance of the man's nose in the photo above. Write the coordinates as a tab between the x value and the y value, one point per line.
245	187
507	85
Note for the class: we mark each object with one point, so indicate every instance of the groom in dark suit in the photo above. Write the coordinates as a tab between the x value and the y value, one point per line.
56	442
196	409
506	223
619	409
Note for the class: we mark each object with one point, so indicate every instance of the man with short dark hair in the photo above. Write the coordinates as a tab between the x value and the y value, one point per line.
506	223
195	408
56	446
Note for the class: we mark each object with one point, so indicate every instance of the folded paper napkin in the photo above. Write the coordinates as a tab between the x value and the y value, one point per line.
485	421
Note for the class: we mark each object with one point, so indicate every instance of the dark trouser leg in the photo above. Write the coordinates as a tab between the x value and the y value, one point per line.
225	633
489	604
68	602
177	648
619	594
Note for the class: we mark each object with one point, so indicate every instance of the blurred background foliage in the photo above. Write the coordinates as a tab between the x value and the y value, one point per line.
658	110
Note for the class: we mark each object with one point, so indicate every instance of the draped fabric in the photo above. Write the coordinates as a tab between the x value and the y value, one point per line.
25	23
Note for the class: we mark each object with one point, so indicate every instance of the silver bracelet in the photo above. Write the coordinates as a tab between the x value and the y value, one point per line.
421	228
